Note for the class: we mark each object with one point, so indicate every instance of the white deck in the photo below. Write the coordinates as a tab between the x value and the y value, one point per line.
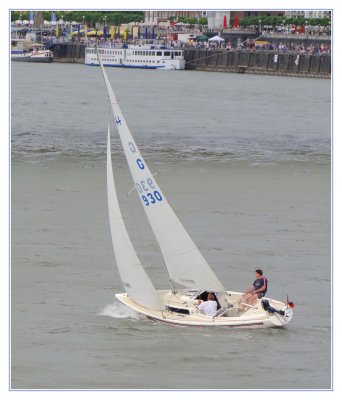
254	317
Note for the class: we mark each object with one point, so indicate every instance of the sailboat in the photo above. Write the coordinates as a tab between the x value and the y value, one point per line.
190	275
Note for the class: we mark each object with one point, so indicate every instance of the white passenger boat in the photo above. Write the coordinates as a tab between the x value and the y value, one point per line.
144	56
26	50
185	264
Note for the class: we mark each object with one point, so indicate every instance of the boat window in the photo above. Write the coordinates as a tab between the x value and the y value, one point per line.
178	310
166	53
159	53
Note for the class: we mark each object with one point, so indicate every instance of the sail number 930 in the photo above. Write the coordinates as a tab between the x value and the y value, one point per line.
148	193
152	198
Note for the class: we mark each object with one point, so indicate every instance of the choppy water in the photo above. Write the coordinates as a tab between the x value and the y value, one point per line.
244	160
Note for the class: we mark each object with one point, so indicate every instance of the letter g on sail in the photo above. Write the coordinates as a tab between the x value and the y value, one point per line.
140	164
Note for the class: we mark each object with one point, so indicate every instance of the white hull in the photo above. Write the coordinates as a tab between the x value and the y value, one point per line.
45	56
254	317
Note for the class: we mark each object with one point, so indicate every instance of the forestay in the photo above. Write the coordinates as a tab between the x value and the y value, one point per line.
184	262
134	278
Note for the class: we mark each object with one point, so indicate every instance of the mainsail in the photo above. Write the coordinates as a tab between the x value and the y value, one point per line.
134	278
184	262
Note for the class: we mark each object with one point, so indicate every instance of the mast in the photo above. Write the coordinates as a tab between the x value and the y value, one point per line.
133	276
184	261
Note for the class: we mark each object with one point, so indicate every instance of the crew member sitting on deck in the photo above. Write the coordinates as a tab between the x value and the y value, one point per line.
208	307
257	290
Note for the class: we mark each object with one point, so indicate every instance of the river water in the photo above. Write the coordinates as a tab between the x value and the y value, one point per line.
245	162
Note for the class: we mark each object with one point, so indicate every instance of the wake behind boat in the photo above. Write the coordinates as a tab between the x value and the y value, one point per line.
185	264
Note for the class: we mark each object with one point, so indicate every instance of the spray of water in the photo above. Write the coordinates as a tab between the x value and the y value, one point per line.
118	310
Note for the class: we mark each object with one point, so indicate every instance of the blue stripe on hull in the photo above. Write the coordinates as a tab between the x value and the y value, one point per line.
245	325
127	66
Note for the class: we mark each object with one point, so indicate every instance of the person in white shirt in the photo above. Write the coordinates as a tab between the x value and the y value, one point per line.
208	307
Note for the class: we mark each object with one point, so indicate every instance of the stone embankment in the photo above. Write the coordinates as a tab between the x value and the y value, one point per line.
240	61
259	62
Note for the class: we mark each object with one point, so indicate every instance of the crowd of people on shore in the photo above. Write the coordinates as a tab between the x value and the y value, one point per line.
260	44
284	46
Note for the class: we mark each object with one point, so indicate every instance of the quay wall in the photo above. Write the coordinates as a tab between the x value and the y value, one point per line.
67	52
220	60
259	62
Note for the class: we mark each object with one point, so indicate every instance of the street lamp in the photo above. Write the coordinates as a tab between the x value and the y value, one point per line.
104	27
83	20
259	26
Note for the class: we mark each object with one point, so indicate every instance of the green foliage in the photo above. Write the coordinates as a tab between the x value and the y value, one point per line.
282	20
191	21
15	15
203	21
90	17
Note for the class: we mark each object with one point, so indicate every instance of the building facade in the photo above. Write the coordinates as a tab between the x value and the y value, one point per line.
295	13
153	17
308	13
216	19
317	14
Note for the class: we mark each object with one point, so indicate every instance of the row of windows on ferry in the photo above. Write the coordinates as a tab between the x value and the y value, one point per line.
136	52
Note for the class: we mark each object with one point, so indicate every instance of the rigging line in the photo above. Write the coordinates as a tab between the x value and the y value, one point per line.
155	246
215	54
154	241
140	231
